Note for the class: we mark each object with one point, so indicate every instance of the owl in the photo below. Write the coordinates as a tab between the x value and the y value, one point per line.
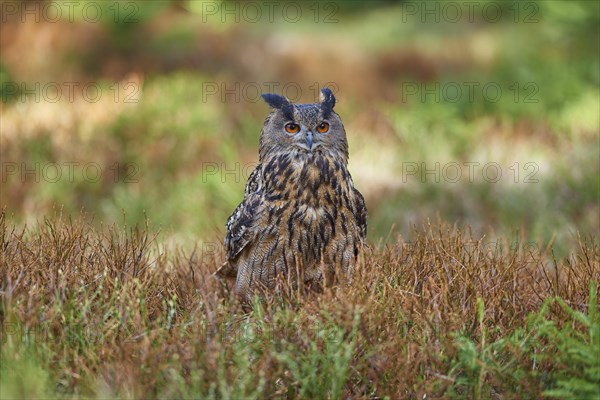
301	220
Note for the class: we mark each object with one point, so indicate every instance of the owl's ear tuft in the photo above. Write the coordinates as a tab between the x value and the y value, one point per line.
327	101
275	100
279	102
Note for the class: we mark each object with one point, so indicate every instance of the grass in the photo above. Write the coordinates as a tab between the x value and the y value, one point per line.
113	313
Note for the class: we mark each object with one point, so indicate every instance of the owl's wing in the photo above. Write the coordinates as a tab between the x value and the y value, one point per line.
360	213
242	224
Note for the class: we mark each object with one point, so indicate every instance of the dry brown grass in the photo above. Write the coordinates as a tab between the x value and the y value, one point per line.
110	313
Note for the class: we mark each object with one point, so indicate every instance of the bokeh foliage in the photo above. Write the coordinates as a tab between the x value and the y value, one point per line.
172	144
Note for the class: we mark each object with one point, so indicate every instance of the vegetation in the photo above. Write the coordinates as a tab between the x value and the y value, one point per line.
492	124
126	142
112	313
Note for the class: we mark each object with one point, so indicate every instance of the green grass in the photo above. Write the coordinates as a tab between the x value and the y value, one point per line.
571	346
113	313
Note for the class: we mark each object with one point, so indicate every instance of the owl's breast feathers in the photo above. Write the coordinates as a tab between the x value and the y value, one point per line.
297	209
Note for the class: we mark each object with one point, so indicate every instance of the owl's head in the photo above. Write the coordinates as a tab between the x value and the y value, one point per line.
303	129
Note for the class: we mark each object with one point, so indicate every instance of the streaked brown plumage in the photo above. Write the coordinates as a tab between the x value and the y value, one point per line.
301	212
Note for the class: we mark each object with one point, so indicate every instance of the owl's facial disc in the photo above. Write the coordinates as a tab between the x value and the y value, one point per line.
305	138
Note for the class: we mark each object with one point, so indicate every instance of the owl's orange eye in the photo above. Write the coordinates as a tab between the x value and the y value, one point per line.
324	127
292	127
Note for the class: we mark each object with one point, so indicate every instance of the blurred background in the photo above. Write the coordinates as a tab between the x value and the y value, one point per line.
482	113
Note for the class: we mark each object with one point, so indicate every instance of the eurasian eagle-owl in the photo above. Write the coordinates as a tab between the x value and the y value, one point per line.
301	219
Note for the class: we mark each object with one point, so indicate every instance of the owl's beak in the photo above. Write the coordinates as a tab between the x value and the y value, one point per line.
309	139
305	141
